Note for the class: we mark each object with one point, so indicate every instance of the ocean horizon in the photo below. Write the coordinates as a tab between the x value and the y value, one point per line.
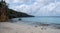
41	19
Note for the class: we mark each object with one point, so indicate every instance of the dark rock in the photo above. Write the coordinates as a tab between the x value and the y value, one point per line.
19	19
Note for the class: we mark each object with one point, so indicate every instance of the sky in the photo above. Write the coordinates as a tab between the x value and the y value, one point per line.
36	7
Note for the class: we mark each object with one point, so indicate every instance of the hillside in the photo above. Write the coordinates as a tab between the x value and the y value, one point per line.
6	13
15	14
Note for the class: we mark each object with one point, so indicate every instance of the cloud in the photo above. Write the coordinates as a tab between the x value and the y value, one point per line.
51	9
36	7
19	1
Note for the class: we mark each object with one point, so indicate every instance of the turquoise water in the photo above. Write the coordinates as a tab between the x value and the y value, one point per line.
42	20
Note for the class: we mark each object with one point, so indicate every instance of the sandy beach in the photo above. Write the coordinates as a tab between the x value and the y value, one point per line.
7	27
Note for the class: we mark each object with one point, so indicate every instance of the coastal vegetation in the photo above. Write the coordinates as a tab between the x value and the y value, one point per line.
6	13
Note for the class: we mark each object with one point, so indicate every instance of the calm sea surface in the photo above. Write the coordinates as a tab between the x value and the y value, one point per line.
43	19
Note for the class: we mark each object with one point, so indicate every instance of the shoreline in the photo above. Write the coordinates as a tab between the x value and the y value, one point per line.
7	27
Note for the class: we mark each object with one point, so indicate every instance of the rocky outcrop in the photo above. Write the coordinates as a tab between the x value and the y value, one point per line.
3	12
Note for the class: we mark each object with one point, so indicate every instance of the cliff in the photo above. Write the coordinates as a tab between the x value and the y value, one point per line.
3	11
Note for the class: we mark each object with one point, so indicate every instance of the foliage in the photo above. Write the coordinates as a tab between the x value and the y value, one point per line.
15	14
9	12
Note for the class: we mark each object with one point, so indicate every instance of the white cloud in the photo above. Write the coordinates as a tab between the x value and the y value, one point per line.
49	10
18	1
38	8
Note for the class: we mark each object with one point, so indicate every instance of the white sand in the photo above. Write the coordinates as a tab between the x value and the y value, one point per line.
6	27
